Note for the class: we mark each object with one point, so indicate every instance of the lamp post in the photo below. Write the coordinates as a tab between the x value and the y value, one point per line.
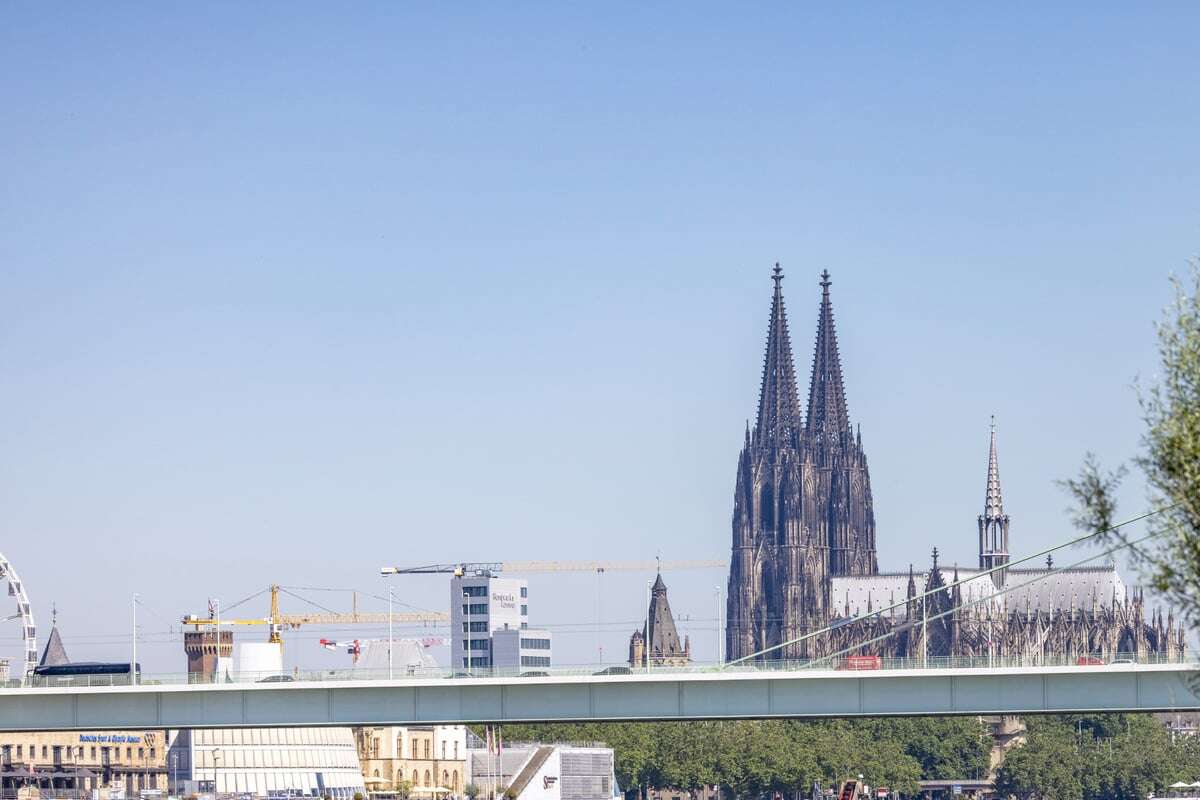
133	678
216	751
385	572
467	606
718	593
648	589
217	670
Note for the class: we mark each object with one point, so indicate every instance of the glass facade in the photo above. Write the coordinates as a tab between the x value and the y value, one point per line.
267	762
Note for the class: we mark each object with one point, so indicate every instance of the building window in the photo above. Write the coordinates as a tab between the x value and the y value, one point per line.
474	591
535	661
151	753
454	781
524	591
477	608
427	779
479	627
445	777
524	610
427	750
456	753
415	781
19	749
535	644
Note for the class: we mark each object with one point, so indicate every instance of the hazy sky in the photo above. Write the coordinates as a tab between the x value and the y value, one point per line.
288	292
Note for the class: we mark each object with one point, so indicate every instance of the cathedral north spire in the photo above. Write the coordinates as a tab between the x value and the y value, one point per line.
778	402
827	414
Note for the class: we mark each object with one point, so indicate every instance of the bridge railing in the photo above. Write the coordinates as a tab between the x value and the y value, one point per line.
865	664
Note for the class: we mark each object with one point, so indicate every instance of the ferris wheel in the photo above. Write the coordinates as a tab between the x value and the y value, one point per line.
16	590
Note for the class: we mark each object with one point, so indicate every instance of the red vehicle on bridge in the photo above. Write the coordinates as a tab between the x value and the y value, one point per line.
861	662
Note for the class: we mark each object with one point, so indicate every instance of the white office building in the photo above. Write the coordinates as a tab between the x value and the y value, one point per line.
525	648
490	622
556	771
266	762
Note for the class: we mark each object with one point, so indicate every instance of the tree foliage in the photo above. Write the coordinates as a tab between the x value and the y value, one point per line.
750	758
1105	757
1169	458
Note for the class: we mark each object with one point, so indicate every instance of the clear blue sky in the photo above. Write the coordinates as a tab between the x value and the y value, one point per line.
288	292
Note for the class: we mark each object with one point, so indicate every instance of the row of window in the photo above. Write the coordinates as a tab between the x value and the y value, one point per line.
477	661
535	644
535	661
221	759
414	746
474	609
476	644
476	627
223	736
73	753
262	783
449	779
474	591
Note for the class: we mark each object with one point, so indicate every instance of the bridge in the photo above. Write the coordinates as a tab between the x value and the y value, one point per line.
691	694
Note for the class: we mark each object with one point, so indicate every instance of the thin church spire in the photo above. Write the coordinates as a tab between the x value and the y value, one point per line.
778	404
993	503
827	414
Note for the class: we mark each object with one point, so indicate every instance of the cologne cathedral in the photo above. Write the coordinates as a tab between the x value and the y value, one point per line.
803	558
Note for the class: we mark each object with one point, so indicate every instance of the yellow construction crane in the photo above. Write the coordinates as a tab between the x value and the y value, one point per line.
278	621
489	567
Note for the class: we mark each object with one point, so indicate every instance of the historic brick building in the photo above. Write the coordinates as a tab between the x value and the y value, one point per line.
803	554
666	649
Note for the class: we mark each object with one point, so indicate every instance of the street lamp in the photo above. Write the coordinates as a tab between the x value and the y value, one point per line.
216	751
467	606
383	573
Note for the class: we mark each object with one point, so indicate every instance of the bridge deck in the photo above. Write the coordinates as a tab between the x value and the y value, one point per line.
714	694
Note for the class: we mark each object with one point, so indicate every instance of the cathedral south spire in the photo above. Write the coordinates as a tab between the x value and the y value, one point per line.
993	522
827	414
778	405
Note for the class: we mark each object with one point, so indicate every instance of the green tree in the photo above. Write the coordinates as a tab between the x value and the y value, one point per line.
1169	458
1047	765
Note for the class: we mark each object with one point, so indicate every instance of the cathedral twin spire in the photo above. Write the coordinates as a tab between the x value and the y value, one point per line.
779	413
